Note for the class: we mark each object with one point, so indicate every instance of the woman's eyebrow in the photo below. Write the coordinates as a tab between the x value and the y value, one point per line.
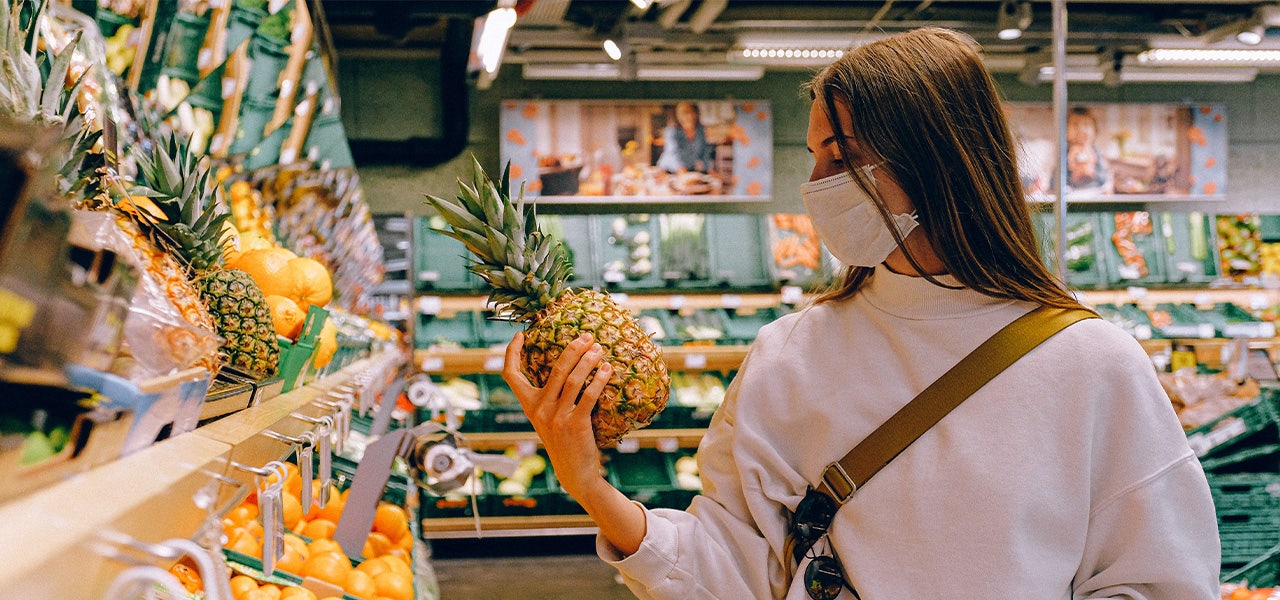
826	142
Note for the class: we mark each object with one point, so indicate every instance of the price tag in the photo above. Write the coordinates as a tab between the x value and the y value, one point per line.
628	446
271	506
203	58
494	363
326	463
432	364
430	305
731	301
306	471
695	361
1137	292
1258	301
1201	299
228	87
621	299
1142	331
792	294
428	275
676	302
526	448
614	277
344	424
668	444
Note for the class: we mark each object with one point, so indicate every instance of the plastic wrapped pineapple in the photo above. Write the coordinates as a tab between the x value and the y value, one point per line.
528	271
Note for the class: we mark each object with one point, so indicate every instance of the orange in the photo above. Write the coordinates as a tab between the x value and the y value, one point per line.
373	567
286	316
270	590
402	555
255	595
314	510
322	545
405	542
309	283
328	567
390	520
360	584
398	563
326	345
187	576
242	584
294	592
244	543
395	586
332	511
292	510
298	544
319	528
269	267
255	529
242	514
375	545
292	561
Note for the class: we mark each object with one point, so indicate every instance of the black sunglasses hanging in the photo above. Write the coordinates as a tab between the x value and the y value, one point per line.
824	577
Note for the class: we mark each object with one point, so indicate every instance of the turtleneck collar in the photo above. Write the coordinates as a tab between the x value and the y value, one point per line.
917	298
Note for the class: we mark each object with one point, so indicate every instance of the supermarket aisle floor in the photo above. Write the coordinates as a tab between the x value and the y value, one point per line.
576	577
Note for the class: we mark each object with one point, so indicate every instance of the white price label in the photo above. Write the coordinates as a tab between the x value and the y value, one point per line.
433	363
526	448
494	363
430	305
1201	299
1258	301
731	301
676	302
614	277
428	275
228	87
668	444
1137	292
792	294
629	446
695	361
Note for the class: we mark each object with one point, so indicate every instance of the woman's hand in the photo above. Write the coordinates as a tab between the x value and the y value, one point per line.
560	411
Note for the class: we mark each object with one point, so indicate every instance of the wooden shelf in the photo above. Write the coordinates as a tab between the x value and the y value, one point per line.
644	438
465	527
490	360
1147	298
451	305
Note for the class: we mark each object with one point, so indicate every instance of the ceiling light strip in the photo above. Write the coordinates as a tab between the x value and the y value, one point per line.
1208	56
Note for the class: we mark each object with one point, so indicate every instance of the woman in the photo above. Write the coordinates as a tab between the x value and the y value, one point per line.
1066	476
684	143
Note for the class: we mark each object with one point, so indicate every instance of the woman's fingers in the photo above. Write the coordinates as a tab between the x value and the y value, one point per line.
511	372
591	394
577	378
567	361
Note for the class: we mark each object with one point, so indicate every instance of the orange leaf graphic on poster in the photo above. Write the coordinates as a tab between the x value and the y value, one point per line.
762	115
748	107
1206	109
516	171
530	111
1210	187
1210	162
1217	118
1196	135
535	185
754	188
515	137
754	162
511	106
1193	179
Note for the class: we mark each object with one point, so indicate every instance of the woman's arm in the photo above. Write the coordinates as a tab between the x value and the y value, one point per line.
563	422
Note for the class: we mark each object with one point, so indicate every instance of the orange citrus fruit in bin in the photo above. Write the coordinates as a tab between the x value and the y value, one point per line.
257	594
286	316
373	567
319	529
244	543
375	545
292	511
391	521
309	283
326	345
292	561
328	567
271	590
322	545
269	267
297	593
242	584
360	585
332	511
394	586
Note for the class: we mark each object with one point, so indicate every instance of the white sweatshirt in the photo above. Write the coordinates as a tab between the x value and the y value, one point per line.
1065	477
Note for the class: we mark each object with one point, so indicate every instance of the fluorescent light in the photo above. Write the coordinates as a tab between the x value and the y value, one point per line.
1215	75
493	37
1209	57
1013	19
1073	74
611	48
641	4
645	72
1251	36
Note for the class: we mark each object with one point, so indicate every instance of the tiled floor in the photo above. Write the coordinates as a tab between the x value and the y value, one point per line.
524	569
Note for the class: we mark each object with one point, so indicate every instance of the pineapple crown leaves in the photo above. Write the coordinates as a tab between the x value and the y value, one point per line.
179	186
24	92
526	268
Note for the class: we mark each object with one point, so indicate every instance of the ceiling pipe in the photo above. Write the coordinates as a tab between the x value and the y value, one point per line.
706	14
455	99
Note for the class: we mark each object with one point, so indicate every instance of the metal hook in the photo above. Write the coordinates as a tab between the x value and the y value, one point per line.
305	438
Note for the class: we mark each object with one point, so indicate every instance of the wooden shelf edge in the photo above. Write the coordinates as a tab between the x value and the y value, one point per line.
646	438
468	361
465	527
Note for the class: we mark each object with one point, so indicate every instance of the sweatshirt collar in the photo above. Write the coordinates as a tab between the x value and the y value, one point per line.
917	298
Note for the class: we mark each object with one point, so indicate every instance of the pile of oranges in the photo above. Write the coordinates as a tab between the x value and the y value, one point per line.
291	284
385	573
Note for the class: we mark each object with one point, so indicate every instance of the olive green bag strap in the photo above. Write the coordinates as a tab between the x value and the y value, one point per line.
841	479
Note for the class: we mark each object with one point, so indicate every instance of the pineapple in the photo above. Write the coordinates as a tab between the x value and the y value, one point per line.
181	217
528	271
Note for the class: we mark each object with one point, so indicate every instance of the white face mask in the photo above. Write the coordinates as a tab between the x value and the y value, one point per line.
848	222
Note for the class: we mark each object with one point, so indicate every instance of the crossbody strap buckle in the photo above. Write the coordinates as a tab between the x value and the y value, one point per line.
837	484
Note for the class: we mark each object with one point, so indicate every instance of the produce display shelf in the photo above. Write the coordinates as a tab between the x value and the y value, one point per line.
490	360
531	526
643	438
636	302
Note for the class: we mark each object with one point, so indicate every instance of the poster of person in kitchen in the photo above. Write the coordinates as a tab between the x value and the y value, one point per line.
667	150
1155	150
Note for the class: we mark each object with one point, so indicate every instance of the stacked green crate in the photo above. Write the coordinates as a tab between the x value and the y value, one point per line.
626	252
684	251
1132	248
440	332
1085	258
439	263
575	233
1188	247
738	252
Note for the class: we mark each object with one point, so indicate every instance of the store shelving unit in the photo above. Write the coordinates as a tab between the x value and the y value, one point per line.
149	495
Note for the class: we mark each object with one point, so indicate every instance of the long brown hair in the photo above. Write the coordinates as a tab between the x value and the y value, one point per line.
925	107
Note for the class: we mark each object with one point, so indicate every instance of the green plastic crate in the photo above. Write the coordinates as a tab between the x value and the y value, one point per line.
1247	535
741	327
575	232
182	47
624	244
1086	258
1261	572
542	497
1128	317
434	330
1188	247
739	258
1248	426
645	476
1184	322
1236	492
269	57
439	262
1150	247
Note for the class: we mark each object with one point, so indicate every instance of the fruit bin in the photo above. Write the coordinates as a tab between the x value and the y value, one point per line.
626	252
1085	256
1248	426
645	476
1171	320
1142	262
684	251
269	56
741	327
575	232
697	327
494	331
543	496
1231	321
243	564
795	255
1236	492
437	266
436	330
1263	571
457	503
1128	317
1189	255
739	258
1246	535
182	47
